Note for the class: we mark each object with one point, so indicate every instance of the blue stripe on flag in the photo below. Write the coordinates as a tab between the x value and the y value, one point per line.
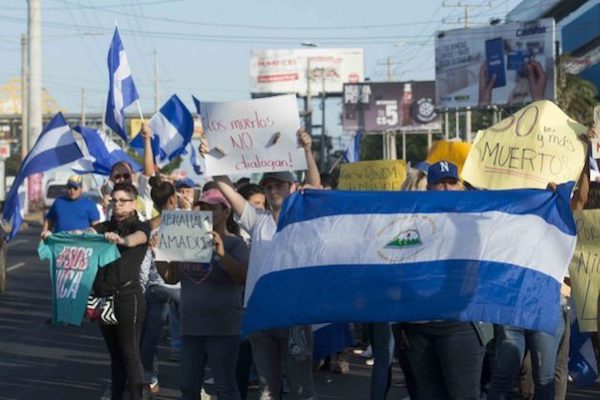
450	290
314	204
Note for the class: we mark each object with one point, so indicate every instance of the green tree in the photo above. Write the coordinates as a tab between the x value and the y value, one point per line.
575	96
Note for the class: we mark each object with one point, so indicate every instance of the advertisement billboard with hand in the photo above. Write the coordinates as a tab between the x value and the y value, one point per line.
508	64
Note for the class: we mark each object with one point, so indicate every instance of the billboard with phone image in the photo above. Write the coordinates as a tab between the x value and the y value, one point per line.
508	64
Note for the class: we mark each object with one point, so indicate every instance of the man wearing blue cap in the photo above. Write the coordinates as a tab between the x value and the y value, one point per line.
447	356
72	211
185	193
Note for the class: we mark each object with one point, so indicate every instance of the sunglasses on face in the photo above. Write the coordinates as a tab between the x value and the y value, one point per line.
125	176
120	201
72	188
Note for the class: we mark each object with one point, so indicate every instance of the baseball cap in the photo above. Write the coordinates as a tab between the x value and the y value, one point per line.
283	176
422	166
441	170
184	183
74	181
214	196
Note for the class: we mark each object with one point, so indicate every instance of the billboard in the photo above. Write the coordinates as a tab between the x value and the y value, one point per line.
285	71
390	106
506	64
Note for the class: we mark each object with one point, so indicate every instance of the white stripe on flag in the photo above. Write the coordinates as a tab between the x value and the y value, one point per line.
448	236
170	139
52	139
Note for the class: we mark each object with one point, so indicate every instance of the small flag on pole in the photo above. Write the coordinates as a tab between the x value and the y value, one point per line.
121	91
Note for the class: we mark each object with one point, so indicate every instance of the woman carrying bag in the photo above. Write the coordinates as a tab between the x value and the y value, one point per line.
121	281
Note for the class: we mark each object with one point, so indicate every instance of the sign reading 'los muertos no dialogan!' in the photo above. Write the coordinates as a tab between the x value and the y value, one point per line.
252	136
536	145
185	236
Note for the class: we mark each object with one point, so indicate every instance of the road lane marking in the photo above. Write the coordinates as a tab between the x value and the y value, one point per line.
13	267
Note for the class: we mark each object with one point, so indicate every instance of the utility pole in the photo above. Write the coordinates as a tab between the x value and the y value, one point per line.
156	83
83	104
467	8
24	99
35	89
323	132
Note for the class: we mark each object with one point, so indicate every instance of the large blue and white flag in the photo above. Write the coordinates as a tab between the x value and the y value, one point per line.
492	256
172	129
54	147
121	90
103	153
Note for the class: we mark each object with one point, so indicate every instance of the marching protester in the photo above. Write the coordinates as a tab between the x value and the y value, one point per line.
271	346
446	356
544	356
159	295
123	172
121	280
211	305
71	212
185	193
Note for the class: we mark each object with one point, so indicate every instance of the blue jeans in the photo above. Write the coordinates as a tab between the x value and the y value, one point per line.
158	298
382	341
174	326
510	347
220	353
446	358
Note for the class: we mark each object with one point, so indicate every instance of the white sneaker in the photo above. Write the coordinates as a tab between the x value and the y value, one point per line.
368	353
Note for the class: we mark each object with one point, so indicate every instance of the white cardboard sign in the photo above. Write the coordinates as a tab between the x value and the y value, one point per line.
596	142
185	236
251	136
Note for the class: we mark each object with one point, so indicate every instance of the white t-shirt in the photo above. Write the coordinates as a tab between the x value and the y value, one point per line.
262	226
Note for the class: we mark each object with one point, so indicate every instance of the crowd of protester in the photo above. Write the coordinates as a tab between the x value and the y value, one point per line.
204	302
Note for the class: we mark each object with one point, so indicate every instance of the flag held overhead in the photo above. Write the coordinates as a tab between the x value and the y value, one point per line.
121	90
54	147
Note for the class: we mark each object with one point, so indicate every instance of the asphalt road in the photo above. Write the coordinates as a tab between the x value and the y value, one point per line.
45	362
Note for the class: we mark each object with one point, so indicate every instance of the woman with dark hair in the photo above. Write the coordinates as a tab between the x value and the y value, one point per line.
211	306
159	295
121	279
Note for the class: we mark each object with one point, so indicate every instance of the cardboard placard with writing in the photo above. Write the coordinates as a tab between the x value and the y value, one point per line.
372	175
185	236
536	145
455	152
585	269
251	136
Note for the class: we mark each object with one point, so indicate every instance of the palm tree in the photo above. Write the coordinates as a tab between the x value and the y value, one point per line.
575	96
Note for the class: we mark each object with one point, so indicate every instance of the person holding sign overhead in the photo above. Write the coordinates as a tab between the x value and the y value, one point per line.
211	303
292	345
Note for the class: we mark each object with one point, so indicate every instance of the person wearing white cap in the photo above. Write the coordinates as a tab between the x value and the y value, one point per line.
72	211
272	346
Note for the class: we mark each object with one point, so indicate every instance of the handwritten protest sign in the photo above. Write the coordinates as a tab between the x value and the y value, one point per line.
455	152
252	136
372	175
536	145
585	269
185	236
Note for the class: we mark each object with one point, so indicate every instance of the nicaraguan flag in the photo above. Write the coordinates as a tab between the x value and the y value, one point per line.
103	153
492	256
121	90
172	128
583	367
352	152
54	147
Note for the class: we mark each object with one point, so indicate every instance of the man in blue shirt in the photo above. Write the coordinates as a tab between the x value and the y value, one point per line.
71	212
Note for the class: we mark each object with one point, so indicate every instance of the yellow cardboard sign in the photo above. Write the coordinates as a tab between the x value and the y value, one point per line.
585	269
455	152
372	175
536	145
